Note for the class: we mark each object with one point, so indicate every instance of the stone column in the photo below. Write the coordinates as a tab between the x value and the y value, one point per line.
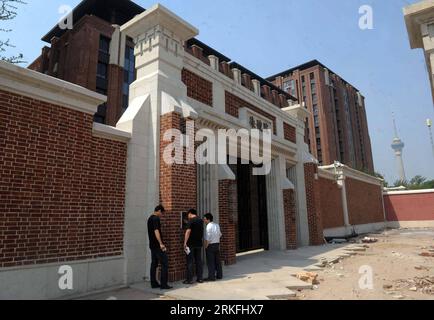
276	182
301	113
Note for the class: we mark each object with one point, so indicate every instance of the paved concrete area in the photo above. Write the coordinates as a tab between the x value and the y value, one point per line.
258	276
268	275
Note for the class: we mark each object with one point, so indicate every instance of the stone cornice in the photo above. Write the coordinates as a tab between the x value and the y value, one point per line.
39	86
240	91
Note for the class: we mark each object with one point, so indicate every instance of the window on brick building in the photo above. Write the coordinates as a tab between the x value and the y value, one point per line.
102	76
104	44
102	70
316	121
129	73
289	86
312	77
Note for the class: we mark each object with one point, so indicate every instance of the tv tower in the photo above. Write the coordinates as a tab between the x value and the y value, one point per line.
398	146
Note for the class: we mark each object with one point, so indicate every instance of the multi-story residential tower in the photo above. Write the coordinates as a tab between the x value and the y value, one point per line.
338	127
94	53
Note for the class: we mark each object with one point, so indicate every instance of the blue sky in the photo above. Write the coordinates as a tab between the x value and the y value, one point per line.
270	36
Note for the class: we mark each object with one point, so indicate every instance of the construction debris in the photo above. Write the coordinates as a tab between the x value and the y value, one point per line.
427	254
422	268
369	240
421	284
308	277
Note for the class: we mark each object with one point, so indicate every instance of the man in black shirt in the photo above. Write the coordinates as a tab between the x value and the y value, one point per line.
193	243
158	250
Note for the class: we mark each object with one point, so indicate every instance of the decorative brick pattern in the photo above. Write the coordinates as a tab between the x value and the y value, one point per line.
313	205
365	202
290	219
228	209
233	104
332	211
198	88
61	189
289	132
178	188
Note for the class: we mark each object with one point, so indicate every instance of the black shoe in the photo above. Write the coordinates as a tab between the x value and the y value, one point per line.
155	286
199	281
209	280
188	282
166	287
220	278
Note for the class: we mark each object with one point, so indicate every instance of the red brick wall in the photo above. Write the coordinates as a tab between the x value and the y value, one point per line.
61	189
313	205
290	219
177	194
332	211
289	132
365	202
198	88
227	211
233	104
410	207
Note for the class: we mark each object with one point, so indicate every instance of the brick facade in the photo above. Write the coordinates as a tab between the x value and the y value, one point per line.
228	210
178	189
313	196
290	219
289	132
61	189
74	57
234	103
402	207
332	211
365	202
198	88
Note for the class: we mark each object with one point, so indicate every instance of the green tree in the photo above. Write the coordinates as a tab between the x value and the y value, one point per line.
8	11
417	183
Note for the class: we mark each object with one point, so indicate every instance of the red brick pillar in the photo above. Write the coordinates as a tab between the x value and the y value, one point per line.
316	234
227	211
290	219
177	194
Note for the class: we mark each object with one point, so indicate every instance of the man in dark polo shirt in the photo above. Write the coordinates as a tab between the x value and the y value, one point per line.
158	250
193	243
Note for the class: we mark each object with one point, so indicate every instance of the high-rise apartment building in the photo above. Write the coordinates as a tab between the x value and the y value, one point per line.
337	129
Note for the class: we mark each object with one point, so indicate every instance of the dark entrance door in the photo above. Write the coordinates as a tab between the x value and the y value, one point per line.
252	224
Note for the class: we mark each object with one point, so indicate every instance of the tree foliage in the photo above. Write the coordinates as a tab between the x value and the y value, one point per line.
8	11
417	183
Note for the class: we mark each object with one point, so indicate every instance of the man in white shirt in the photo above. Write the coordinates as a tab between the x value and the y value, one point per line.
212	246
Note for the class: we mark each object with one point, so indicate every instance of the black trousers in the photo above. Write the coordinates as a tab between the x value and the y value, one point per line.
195	257
159	257
214	262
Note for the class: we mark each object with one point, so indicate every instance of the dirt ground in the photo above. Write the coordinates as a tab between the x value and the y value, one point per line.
399	271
